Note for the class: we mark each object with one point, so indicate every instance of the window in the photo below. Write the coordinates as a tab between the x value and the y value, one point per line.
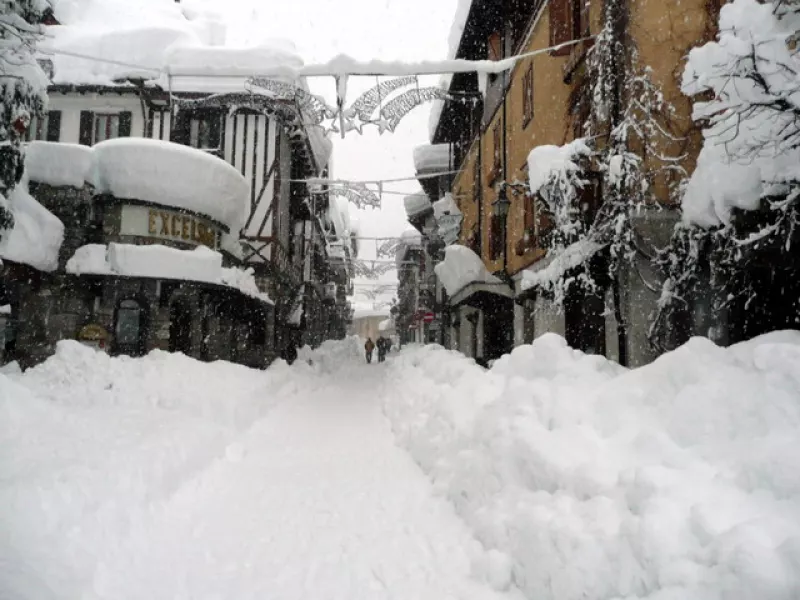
129	323
204	132
495	237
98	127
527	96
497	141
569	20
106	127
46	128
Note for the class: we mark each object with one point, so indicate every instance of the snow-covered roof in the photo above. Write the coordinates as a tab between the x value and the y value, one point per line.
416	204
369	312
461	267
201	264
37	234
172	175
432	158
149	38
58	164
552	268
196	68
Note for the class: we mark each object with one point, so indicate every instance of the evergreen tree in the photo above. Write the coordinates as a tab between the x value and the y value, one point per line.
23	88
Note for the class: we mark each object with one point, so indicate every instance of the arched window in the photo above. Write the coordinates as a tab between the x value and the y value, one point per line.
130	328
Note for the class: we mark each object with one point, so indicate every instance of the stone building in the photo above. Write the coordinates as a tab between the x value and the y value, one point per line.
117	251
202	95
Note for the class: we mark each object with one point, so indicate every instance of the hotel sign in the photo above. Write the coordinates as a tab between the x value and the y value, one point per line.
166	224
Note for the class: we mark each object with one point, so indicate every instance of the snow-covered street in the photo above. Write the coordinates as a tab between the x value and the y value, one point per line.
296	490
553	475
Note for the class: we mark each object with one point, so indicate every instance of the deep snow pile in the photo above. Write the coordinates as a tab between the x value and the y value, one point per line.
170	174
164	477
90	444
678	480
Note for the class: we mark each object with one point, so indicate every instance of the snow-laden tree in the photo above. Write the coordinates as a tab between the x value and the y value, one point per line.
629	131
23	88
740	206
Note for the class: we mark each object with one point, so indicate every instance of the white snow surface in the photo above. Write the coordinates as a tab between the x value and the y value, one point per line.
460	267
165	477
573	478
162	262
547	161
58	164
572	256
35	239
583	480
173	175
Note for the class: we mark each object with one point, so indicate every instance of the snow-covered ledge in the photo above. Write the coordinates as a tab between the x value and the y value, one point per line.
161	262
462	269
58	164
173	175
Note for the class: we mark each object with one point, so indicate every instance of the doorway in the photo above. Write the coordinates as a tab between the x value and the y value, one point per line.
180	327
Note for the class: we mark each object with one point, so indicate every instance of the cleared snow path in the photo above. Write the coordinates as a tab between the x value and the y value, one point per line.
313	500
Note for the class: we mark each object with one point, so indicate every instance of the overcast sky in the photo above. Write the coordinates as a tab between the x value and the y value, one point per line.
407	30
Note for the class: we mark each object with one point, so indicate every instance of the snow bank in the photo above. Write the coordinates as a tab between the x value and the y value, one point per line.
37	234
172	175
93	446
58	164
572	256
460	267
201	264
586	481
432	158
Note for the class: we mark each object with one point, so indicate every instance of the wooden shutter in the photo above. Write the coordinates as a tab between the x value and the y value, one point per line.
86	128
561	25
583	21
495	46
53	126
495	237
125	124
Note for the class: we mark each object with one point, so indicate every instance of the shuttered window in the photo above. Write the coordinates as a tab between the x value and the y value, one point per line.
527	96
495	237
569	20
497	142
98	127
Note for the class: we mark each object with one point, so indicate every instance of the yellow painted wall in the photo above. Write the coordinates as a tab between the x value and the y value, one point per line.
664	32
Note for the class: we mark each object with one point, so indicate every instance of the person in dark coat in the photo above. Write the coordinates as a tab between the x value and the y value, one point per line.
381	344
369	348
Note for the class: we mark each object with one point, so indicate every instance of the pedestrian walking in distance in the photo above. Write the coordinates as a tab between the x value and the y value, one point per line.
383	344
369	347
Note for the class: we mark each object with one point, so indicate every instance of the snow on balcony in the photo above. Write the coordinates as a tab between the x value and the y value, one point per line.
416	204
161	262
172	175
432	158
461	267
550	270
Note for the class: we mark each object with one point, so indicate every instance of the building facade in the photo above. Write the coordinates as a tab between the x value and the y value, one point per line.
545	101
